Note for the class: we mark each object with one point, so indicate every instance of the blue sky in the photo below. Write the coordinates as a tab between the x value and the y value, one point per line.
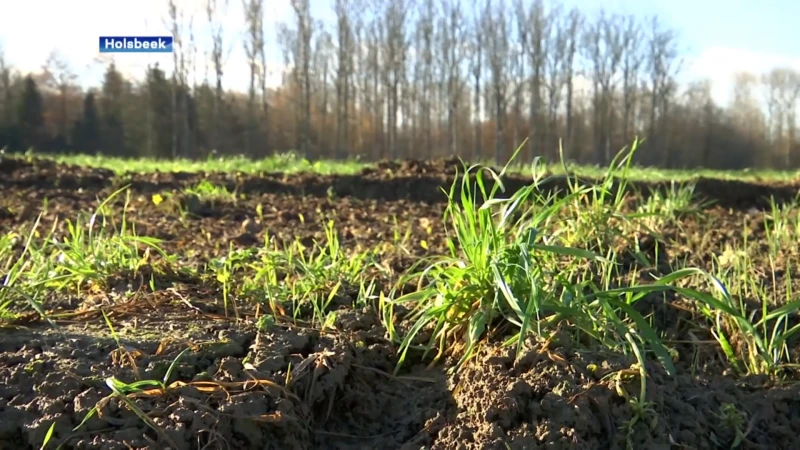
721	37
718	37
768	26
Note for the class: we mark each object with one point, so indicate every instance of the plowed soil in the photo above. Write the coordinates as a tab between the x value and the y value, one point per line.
334	389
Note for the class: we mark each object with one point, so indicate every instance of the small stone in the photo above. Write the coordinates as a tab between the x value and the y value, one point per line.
687	437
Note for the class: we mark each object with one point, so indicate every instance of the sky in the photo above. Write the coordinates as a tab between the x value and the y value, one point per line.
718	37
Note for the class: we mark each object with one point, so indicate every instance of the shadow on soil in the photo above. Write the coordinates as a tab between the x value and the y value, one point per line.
286	388
340	395
418	181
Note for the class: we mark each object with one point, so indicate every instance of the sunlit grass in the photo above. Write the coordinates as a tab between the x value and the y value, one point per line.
761	316
529	263
206	190
93	248
291	162
506	269
639	173
285	162
295	277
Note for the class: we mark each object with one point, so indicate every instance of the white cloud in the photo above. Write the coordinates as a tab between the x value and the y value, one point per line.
719	64
73	30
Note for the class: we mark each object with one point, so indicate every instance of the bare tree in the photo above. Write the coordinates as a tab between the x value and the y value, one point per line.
790	99
539	25
180	75
663	65
495	28
361	78
263	73
556	59
519	62
287	41
173	15
395	47
59	76
217	41
409	78
476	46
773	83
415	81
573	24
302	61
190	116
297	44
424	71
5	85
700	135
323	54
345	50
781	88
453	52
256	60
631	66
375	89
745	110
603	46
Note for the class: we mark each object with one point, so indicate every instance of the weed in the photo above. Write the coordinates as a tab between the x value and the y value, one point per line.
752	344
123	391
782	225
48	436
15	269
206	190
224	269
93	250
122	352
503	265
308	278
734	420
641	408
666	206
265	322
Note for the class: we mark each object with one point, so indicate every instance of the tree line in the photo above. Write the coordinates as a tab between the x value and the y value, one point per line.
414	78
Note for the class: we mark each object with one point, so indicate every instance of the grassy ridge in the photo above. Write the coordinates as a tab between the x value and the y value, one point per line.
292	163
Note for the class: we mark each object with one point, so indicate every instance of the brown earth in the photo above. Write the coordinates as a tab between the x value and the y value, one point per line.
341	393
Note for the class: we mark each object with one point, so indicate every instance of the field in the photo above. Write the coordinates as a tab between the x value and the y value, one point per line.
398	305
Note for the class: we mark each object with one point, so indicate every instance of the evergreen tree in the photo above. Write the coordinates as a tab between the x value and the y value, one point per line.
113	130
160	113
31	115
86	134
195	135
10	138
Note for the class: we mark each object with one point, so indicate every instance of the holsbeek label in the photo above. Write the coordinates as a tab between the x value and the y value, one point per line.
135	44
